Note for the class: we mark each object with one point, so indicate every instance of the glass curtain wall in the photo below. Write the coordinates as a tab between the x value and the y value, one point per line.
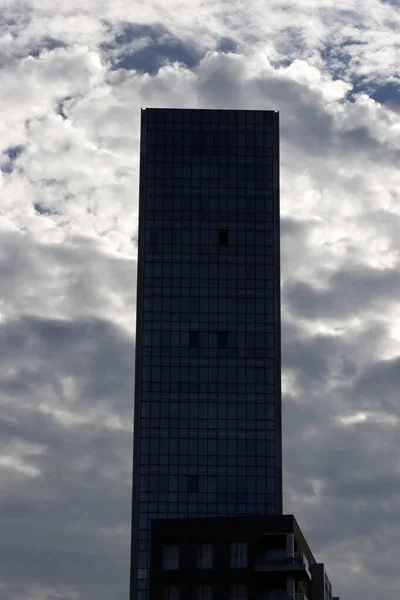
207	398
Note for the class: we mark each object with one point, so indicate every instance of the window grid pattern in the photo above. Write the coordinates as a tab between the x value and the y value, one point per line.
208	397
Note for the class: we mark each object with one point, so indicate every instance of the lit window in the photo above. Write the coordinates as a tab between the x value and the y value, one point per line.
205	556
170	592
239	555
204	592
170	558
239	591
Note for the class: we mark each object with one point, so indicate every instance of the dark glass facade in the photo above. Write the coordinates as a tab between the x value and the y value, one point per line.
207	433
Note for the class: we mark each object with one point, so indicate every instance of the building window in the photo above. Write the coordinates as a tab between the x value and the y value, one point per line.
278	595
170	592
205	556
222	339
239	591
204	592
170	558
223	237
194	339
239	555
193	483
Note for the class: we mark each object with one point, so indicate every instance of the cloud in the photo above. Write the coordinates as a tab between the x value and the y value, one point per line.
10	155
66	434
73	81
146	48
348	293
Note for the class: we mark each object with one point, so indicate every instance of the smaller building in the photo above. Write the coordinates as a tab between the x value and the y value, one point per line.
234	558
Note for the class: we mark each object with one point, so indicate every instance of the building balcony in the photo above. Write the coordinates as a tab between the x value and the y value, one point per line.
282	561
277	595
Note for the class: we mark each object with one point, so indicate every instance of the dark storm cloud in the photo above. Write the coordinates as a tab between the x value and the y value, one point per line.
348	470
336	465
78	452
76	348
347	292
16	507
338	478
320	361
381	381
311	358
92	571
361	487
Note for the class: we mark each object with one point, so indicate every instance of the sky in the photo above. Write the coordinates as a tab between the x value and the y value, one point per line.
73	77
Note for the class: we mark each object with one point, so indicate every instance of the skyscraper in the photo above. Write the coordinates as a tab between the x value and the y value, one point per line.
207	431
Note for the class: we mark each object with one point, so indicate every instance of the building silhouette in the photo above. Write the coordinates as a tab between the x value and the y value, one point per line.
207	423
234	558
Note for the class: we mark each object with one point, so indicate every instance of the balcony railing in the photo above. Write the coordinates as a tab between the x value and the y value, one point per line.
205	563
170	564
280	595
278	557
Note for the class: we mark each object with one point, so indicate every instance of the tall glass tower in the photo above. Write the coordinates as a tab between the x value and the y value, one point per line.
207	432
